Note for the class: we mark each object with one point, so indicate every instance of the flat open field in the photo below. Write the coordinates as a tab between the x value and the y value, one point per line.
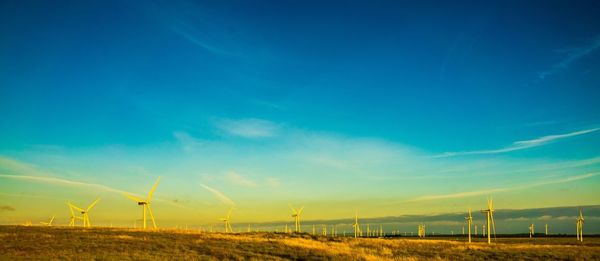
18	242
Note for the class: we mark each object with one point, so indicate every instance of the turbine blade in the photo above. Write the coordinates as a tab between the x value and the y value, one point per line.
300	211
229	213
93	204
71	209
151	216
75	207
293	210
153	189
493	224
134	198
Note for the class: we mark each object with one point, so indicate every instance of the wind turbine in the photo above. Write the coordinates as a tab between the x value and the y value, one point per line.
531	230
226	220
490	219
49	223
146	204
296	216
469	219
580	221
356	226
546	226
73	216
84	212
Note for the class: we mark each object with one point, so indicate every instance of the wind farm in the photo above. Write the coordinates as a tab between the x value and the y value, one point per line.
299	130
232	243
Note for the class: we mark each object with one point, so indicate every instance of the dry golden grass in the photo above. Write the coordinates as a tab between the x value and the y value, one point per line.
117	244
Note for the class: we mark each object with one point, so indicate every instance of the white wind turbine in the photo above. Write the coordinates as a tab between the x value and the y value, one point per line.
296	216
85	212
146	204
226	220
469	219
49	223
490	219
356	226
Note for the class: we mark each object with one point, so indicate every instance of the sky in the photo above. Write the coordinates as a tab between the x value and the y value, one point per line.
385	108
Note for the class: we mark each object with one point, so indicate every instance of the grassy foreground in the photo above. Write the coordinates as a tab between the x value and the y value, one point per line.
19	242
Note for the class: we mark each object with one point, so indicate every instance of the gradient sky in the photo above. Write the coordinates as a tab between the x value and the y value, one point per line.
384	107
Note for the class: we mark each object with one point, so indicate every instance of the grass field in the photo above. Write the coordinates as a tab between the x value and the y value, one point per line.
19	242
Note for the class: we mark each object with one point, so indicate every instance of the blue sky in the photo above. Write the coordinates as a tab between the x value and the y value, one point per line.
373	105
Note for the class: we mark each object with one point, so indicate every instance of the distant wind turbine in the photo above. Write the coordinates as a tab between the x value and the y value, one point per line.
296	216
490	219
85	212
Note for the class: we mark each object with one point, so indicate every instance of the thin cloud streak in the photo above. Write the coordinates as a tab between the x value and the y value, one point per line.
196	41
240	180
248	128
6	208
219	195
59	181
573	56
496	190
518	145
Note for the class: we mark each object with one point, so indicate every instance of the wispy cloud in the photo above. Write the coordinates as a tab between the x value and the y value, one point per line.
496	190
272	182
519	145
219	195
248	128
187	142
240	180
6	208
16	167
60	181
196	40
573	56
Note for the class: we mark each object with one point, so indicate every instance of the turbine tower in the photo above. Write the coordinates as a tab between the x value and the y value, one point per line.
490	219
49	223
226	220
546	226
469	219
146	204
580	227
356	226
84	212
296	216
